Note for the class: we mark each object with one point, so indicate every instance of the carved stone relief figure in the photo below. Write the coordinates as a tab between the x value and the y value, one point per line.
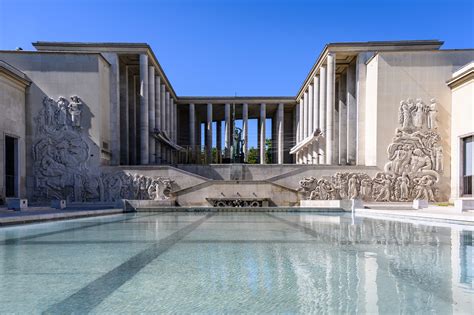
412	172
419	114
353	187
75	111
433	114
61	156
438	158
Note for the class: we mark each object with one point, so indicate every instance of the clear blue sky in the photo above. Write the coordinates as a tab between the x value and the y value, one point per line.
222	47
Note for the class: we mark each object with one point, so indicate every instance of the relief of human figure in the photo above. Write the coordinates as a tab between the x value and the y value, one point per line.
404	183
405	164
423	189
353	190
433	114
419	114
63	112
48	104
366	188
326	190
398	158
384	194
75	111
417	161
438	158
405	112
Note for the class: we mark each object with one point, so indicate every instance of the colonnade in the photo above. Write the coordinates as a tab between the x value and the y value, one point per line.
328	108
147	108
194	137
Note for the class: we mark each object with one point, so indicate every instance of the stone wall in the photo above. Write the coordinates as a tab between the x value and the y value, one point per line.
401	76
59	77
12	123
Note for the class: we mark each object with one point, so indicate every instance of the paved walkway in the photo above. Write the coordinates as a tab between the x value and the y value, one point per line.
436	213
37	214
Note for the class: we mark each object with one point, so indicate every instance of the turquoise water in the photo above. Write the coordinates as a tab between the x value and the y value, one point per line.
236	263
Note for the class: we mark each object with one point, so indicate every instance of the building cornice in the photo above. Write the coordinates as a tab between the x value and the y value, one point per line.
357	47
236	99
461	78
346	48
104	47
14	74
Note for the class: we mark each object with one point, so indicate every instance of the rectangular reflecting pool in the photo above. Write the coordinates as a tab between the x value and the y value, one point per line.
236	263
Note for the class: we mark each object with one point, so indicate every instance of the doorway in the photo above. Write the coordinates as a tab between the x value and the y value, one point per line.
11	167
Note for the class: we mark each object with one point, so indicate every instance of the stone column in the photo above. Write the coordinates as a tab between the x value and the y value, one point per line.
144	130
316	117
157	117
167	126
297	130
301	120
209	134
198	140
310	121
280	132
151	114
219	141
335	147
351	114
124	113
164	147
132	120
305	115
330	88
245	130
228	130
322	114
192	130
342	120
172	128
114	109
263	117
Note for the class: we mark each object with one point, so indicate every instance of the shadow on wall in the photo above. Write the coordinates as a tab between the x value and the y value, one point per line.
66	161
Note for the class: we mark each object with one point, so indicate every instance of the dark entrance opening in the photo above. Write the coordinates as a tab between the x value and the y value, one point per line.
11	166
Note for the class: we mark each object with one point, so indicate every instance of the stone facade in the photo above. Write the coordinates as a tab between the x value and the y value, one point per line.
104	123
13	87
412	172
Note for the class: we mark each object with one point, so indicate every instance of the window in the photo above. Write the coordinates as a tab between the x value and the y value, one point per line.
467	165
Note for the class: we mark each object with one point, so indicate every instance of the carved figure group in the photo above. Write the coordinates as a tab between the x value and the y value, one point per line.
418	114
415	163
61	156
60	114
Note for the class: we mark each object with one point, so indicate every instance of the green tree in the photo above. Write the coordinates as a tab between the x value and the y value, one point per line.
253	156
268	151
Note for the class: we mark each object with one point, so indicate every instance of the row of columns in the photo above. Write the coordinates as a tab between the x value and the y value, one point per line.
228	138
146	107
317	109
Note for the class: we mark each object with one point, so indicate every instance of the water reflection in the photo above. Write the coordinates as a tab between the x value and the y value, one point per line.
372	266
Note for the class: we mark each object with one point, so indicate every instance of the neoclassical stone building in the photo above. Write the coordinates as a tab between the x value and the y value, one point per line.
373	111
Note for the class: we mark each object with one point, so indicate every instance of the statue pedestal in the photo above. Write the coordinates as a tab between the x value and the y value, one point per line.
17	204
58	204
420	204
464	204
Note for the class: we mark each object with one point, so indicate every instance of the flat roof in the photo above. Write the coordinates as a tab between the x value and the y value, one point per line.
14	73
344	49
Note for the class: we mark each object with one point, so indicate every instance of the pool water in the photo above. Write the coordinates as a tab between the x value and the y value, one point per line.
236	263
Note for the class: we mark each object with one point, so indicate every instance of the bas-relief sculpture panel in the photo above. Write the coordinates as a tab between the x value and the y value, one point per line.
412	172
62	161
